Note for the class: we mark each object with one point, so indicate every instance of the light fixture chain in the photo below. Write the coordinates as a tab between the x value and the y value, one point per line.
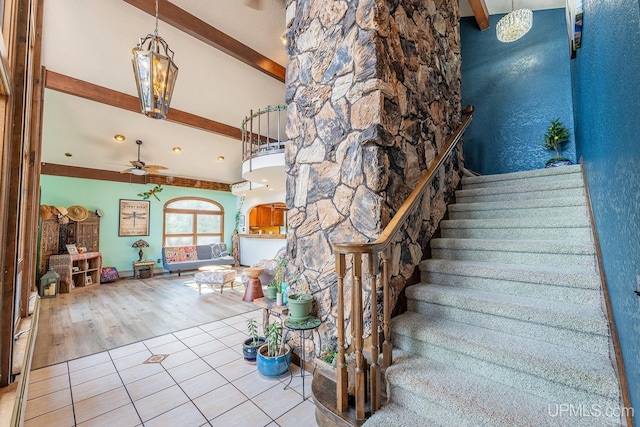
156	31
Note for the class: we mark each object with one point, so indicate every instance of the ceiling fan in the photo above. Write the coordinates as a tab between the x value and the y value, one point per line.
140	167
256	4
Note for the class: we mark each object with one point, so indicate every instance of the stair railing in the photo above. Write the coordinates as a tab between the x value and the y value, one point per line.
372	253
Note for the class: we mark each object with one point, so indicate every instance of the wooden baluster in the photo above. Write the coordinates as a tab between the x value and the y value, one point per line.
386	309
357	319
374	370
341	367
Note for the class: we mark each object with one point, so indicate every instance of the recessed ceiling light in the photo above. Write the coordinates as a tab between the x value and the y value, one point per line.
271	189
68	154
119	137
221	158
264	180
176	149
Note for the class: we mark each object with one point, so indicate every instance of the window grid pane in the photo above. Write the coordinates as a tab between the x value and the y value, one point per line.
179	223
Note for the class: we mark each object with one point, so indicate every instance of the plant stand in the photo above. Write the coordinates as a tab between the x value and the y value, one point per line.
304	328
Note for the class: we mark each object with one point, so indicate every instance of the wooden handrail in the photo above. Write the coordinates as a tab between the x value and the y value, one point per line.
407	207
375	254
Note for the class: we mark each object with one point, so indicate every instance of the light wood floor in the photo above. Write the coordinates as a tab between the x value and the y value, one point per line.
111	315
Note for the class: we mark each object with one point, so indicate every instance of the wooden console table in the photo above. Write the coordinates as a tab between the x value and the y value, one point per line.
77	271
138	264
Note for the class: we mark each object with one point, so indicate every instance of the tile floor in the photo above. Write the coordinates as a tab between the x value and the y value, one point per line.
204	381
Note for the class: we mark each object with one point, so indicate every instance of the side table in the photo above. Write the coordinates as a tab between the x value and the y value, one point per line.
138	264
303	327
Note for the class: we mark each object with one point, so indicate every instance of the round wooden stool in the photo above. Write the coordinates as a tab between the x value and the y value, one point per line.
253	289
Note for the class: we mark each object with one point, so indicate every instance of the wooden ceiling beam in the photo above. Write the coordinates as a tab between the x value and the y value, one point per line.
481	13
104	175
195	27
93	92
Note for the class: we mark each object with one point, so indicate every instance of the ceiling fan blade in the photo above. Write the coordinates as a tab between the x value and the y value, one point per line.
137	163
254	4
155	167
127	170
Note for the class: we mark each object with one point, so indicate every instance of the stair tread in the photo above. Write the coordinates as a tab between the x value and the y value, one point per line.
520	245
560	364
576	183
580	317
482	400
520	204
514	272
510	176
516	223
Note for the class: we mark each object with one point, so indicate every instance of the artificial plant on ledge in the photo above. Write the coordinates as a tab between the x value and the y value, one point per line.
556	135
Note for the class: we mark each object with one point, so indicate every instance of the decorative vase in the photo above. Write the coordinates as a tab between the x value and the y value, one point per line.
273	366
271	292
300	306
285	288
279	298
249	350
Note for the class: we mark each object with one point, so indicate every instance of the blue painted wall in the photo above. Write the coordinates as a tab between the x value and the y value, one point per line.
94	194
606	95
517	89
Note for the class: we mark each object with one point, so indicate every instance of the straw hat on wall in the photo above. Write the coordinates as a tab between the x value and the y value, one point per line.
77	213
45	212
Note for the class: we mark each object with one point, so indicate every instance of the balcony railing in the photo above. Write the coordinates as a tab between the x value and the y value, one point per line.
263	132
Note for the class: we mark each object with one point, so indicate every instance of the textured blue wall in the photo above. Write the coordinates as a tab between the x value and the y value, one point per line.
517	89
606	94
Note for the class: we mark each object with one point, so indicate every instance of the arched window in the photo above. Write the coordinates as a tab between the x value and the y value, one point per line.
193	221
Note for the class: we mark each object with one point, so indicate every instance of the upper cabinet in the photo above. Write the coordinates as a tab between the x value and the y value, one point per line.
267	215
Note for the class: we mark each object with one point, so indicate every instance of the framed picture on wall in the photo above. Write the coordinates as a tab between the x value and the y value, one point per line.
134	218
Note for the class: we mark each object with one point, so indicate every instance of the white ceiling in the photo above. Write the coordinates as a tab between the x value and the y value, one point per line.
92	41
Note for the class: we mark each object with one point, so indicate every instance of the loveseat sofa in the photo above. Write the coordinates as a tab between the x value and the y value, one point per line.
182	258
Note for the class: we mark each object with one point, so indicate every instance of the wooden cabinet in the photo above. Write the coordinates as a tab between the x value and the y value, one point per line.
278	217
77	271
49	235
85	233
55	235
270	215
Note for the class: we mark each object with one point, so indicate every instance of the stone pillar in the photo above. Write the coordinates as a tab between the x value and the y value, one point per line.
373	88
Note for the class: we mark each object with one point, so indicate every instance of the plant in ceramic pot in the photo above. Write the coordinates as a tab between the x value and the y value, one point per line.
557	134
272	289
278	279
251	345
300	306
274	357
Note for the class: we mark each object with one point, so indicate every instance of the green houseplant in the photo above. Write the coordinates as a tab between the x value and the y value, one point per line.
274	357
275	286
251	345
557	134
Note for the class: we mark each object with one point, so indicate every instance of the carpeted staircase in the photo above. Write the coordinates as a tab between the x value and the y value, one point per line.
508	326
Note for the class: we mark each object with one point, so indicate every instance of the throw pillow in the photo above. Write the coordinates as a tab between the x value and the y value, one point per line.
216	250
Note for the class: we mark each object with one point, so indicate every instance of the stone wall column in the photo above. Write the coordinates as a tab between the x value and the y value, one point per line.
373	89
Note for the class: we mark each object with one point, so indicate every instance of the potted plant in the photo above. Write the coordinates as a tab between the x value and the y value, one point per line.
273	289
273	358
300	306
251	345
556	135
